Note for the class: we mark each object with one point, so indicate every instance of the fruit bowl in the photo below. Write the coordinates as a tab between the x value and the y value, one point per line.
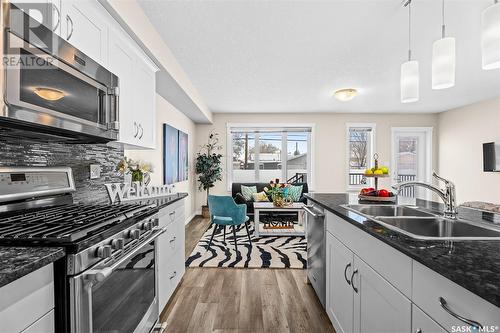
373	195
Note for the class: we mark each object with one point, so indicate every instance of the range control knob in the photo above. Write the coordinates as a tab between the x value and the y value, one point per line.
156	222
147	225
134	234
118	243
104	251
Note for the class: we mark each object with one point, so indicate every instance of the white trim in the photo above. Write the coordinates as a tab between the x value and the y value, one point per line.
310	148
373	149
428	131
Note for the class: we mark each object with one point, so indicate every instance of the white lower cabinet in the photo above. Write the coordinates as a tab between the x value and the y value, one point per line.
27	304
422	323
358	299
374	288
171	263
339	269
378	306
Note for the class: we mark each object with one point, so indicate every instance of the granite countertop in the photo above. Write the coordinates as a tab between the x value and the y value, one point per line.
161	202
16	262
474	265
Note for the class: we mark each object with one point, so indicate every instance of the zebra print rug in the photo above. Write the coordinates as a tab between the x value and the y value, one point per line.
265	252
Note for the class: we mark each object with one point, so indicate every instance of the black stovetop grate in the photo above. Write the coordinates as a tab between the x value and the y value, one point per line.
66	223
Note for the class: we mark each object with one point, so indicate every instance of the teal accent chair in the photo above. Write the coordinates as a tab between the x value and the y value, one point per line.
225	212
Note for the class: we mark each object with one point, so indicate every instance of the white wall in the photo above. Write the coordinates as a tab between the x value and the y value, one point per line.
462	132
329	142
166	113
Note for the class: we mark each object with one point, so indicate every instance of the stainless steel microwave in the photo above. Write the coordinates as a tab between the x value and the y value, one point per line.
51	89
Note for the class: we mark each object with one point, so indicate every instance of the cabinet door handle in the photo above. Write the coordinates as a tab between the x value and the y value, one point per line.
173	239
419	330
54	7
142	131
173	275
470	322
70	33
345	273
136	130
352	282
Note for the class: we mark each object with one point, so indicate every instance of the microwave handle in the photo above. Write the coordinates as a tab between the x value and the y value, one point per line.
114	106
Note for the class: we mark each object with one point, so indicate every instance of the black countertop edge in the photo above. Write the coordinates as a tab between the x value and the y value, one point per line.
474	265
161	202
16	262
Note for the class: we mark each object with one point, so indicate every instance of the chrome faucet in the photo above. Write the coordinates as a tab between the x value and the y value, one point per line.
447	194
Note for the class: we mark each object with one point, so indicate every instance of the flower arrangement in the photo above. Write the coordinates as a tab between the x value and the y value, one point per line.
279	193
139	170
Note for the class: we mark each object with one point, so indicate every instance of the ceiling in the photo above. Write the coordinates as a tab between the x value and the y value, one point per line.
289	56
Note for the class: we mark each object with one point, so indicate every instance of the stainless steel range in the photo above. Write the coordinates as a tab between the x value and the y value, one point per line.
107	281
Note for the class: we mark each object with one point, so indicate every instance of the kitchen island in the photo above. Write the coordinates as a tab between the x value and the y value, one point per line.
422	277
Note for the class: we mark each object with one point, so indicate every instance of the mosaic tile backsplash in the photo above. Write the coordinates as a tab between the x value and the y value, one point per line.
27	152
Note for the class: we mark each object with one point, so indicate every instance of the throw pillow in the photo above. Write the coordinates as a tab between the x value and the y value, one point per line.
247	192
259	197
295	192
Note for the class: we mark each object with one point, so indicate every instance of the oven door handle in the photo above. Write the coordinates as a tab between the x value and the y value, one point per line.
99	275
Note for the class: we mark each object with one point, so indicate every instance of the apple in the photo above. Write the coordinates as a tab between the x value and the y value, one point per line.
383	193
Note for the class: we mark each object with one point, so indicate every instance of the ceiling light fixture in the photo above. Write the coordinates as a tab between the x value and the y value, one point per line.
345	95
490	36
49	94
409	70
443	60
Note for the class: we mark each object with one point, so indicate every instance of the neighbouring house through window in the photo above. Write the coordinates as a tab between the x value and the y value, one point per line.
262	154
360	149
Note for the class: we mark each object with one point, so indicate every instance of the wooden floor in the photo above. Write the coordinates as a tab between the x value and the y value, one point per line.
242	300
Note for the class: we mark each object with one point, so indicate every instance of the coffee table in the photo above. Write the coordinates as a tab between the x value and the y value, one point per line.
298	229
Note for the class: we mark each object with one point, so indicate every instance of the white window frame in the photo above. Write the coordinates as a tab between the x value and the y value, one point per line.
310	147
373	149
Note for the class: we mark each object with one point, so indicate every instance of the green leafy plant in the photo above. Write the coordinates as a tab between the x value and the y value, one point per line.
209	164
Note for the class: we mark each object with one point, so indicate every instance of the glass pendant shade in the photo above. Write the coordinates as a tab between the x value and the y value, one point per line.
490	37
409	82
443	63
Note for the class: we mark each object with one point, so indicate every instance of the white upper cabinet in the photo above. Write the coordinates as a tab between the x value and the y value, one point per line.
145	102
84	25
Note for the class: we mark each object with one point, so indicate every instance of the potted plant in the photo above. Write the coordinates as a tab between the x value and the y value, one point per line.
138	171
279	193
209	167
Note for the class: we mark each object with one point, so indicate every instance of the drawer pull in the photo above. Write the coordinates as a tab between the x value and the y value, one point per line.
352	282
470	322
419	330
173	275
173	239
345	274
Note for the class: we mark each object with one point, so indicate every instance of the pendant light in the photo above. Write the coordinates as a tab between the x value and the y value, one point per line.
409	70
443	60
490	36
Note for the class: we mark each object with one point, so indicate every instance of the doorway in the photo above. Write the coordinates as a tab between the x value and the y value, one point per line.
412	158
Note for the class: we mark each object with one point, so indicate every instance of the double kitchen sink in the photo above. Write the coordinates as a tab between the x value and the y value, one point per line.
420	224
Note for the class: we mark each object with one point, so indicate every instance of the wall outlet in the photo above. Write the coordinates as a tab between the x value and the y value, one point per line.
95	171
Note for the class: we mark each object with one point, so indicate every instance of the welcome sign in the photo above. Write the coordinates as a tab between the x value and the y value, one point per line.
123	192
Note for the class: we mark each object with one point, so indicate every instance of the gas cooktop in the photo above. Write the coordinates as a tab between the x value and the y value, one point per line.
65	224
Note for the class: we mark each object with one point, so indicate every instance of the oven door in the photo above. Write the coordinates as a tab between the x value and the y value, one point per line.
46	92
118	295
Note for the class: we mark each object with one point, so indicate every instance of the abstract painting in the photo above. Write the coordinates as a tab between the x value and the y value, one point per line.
170	155
183	156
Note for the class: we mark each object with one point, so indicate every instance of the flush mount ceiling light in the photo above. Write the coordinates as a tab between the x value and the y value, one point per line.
49	94
345	95
409	70
490	36
443	60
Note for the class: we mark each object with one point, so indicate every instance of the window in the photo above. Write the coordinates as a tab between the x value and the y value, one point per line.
261	154
360	149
